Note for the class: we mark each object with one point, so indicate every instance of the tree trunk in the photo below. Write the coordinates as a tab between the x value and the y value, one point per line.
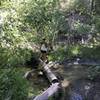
92	5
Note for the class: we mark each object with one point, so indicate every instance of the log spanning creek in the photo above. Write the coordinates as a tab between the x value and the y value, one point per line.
70	84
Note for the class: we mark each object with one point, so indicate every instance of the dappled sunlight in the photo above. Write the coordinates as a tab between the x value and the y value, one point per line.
70	53
66	4
75	50
65	83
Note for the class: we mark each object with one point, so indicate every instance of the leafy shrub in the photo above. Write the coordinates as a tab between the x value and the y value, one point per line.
93	72
96	20
14	39
87	52
65	52
16	57
82	28
75	51
12	85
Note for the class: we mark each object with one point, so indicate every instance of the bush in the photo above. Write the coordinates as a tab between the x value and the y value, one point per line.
12	85
64	52
33	62
90	53
15	58
76	51
93	72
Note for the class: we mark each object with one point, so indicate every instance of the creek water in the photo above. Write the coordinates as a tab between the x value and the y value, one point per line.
76	96
80	88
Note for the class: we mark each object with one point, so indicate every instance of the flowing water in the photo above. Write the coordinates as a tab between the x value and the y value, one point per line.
76	96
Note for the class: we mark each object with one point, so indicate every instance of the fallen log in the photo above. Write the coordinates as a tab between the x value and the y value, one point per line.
50	75
48	93
53	89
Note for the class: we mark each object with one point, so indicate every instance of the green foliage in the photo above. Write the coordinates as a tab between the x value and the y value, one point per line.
82	6
96	21
93	72
59	54
82	28
12	85
14	38
24	21
13	57
64	52
97	7
75	51
45	18
88	52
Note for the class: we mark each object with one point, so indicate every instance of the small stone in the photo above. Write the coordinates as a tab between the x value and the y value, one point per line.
40	73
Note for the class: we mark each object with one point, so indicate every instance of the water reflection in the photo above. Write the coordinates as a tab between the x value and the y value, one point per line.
76	96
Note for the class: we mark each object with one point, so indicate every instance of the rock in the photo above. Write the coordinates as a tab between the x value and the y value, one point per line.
40	73
28	75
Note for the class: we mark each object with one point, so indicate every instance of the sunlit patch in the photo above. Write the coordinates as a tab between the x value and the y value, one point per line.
66	4
3	14
75	50
65	83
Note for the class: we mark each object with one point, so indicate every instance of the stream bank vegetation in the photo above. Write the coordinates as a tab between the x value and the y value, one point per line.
72	27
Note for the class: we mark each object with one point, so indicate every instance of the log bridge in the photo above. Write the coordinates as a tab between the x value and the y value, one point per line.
55	87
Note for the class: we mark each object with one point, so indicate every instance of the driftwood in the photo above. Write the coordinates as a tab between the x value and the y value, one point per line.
51	77
49	92
53	89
